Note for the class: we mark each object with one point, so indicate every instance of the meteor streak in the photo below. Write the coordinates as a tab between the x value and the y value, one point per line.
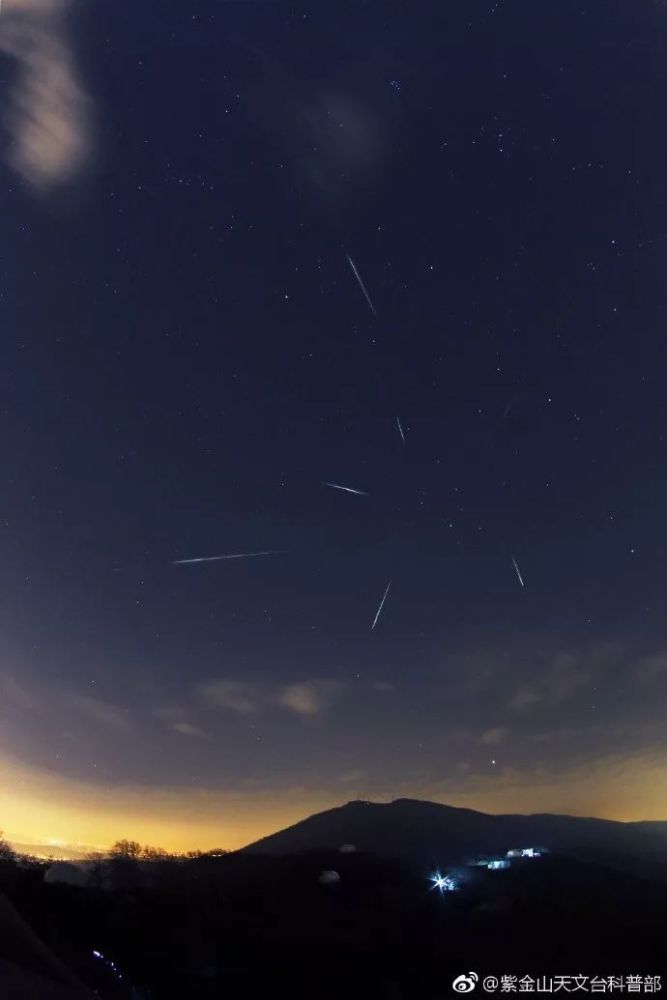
361	285
234	555
347	489
400	429
379	610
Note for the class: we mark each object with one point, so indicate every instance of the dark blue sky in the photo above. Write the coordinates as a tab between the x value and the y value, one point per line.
188	357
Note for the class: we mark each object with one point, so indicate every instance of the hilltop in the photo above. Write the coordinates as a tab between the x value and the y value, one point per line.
425	832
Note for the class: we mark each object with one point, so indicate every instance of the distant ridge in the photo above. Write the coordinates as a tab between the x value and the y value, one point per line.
63	852
426	832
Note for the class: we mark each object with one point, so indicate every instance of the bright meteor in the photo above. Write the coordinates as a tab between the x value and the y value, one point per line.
234	555
379	610
400	429
361	285
347	489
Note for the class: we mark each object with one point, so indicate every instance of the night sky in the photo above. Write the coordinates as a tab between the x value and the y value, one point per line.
188	358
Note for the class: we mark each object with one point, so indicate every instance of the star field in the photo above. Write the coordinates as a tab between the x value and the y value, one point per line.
379	292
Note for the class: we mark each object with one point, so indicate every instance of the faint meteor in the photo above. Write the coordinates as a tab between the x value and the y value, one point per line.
379	610
347	489
518	572
506	411
400	429
361	284
234	555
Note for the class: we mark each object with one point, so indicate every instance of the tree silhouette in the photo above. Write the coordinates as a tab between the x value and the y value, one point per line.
215	852
130	850
7	853
97	869
149	853
123	865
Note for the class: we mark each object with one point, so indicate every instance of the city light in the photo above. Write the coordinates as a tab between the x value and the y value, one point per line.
444	883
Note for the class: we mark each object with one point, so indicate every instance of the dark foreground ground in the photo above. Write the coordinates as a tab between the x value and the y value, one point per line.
253	926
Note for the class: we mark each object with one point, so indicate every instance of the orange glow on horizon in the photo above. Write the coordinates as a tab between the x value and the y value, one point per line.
39	807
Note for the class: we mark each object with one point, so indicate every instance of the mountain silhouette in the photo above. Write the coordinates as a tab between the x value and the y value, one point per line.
428	832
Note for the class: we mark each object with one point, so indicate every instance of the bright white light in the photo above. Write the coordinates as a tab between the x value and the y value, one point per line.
444	883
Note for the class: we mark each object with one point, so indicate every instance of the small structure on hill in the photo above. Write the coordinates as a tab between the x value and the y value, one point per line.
526	852
67	873
329	878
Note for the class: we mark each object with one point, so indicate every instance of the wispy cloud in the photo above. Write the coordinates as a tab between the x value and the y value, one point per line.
168	713
104	712
523	698
553	686
651	667
353	777
492	737
15	694
48	111
237	696
306	698
187	729
175	718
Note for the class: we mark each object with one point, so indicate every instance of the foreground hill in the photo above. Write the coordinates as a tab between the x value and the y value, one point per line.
429	833
248	923
28	969
247	926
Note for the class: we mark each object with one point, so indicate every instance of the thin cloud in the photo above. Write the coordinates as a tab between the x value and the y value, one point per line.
168	713
237	696
103	712
307	698
187	729
558	684
492	737
523	699
175	718
48	116
15	695
352	777
564	680
651	667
